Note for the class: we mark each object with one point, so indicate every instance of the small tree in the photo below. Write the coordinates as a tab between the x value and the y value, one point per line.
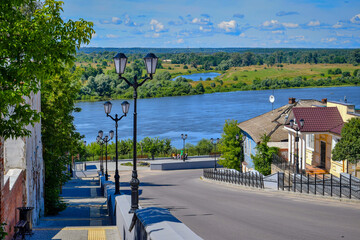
348	148
264	154
231	149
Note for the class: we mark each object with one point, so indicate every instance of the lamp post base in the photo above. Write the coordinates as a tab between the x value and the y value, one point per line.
117	183
134	183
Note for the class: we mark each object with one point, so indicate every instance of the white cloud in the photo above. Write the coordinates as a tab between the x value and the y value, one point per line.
229	26
355	19
201	21
116	20
94	35
275	24
346	41
290	25
180	40
314	23
278	32
242	35
156	35
338	25
156	25
271	24
329	40
111	36
205	29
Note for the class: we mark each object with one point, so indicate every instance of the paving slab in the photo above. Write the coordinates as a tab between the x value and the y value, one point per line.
86	216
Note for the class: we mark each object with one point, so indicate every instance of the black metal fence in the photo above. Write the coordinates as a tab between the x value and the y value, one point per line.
232	176
345	186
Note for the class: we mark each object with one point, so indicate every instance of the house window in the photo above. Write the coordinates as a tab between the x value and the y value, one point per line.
310	141
335	140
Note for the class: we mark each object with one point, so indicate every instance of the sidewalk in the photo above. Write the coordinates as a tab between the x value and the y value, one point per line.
85	217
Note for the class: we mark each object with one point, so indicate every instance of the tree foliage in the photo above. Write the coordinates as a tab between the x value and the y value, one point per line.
264	154
59	138
348	147
231	149
35	44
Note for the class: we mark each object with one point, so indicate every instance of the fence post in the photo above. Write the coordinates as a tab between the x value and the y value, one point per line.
278	180
249	179
256	180
294	182
331	184
308	183
301	182
283	181
289	178
323	184
315	183
350	187
340	184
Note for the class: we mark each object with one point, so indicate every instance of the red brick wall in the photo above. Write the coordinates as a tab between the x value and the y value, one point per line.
10	201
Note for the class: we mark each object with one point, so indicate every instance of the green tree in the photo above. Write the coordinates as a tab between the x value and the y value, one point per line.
152	146
348	147
264	154
200	88
60	141
231	149
204	146
35	44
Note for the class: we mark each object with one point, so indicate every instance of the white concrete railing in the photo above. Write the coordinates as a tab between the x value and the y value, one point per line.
151	223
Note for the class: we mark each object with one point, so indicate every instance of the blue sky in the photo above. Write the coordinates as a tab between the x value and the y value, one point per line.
220	23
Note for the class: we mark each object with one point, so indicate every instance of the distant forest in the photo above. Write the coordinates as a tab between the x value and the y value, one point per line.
228	57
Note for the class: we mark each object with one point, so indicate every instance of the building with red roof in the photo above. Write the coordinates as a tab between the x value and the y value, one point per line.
312	134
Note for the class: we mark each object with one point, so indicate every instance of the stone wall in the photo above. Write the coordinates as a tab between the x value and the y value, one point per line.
13	196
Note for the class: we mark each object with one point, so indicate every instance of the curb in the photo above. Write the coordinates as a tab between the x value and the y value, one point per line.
283	193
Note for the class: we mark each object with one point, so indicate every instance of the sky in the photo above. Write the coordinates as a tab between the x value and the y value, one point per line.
220	23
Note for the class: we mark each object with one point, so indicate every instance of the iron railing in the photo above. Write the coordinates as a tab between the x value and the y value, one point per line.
250	179
345	186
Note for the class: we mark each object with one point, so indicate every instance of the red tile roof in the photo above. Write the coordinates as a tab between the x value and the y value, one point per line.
319	119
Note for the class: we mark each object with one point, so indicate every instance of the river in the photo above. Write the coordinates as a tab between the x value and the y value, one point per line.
199	116
200	76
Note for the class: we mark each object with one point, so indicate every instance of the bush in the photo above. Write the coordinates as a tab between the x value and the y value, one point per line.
185	67
213	85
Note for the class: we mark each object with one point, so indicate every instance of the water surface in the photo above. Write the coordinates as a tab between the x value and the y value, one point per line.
199	116
200	76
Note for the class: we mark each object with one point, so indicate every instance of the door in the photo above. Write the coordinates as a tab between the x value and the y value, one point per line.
322	154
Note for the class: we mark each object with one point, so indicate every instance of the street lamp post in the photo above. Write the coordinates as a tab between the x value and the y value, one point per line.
100	141
243	137
120	61
85	156
183	137
215	142
297	129
106	140
125	108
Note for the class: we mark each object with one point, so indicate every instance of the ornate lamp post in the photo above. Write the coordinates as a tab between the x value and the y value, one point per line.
125	108
106	140
242	140
215	142
120	63
297	129
85	157
183	137
100	141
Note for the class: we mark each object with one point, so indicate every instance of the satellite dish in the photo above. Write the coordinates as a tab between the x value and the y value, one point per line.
272	98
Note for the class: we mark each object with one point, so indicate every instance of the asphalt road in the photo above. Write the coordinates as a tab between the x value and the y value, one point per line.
217	211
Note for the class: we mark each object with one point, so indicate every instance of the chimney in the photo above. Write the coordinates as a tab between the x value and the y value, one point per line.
292	100
324	100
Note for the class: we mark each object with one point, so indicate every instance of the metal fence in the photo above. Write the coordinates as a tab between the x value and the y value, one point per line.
345	186
232	176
